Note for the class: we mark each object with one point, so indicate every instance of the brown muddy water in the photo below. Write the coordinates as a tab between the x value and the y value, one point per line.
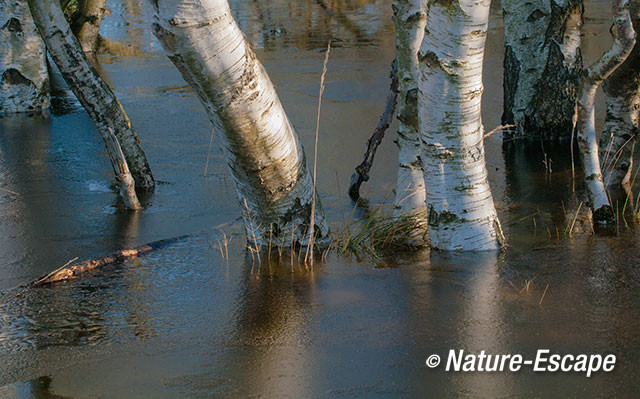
184	322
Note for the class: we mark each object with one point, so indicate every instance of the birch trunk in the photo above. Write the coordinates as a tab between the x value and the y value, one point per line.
542	66
462	215
88	26
621	124
24	79
410	20
261	147
94	94
623	43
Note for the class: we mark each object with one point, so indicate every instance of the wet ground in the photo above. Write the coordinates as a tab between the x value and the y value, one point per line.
188	322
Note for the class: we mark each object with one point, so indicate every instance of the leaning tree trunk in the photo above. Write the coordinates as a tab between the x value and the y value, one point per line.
410	19
24	79
94	94
542	66
262	150
87	28
623	43
621	124
462	215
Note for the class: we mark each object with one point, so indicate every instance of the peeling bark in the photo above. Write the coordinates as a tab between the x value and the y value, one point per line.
87	28
542	66
24	79
261	147
94	94
462	215
410	20
621	124
623	43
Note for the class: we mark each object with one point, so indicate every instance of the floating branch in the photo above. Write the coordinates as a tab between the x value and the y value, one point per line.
72	270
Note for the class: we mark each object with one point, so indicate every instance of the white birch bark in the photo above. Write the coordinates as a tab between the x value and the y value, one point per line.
462	215
410	20
623	43
542	66
622	120
262	150
93	92
24	79
126	183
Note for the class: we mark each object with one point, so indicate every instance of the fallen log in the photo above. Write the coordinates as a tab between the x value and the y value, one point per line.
72	270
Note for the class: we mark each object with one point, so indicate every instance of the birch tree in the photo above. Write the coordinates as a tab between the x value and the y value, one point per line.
24	79
621	124
462	215
623	43
94	94
410	19
542	66
261	148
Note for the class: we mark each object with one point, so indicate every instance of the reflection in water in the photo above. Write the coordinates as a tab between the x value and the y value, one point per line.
345	23
529	171
273	318
36	389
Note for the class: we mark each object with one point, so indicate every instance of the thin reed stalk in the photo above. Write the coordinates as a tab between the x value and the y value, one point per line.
309	254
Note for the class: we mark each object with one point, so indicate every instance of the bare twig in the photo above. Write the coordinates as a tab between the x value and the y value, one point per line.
497	129
362	170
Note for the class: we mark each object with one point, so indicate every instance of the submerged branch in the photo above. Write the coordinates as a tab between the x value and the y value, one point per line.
362	170
73	270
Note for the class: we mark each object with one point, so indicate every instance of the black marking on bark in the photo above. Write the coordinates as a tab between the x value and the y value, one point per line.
536	15
604	216
594	176
431	59
438	219
14	77
409	114
13	25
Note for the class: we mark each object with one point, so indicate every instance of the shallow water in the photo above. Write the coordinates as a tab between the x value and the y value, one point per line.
186	322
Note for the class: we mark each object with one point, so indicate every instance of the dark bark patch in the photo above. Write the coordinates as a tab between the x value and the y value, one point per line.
437	219
409	114
604	216
431	59
13	77
550	113
536	15
13	25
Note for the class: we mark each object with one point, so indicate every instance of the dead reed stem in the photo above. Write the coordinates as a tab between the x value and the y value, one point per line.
309	254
